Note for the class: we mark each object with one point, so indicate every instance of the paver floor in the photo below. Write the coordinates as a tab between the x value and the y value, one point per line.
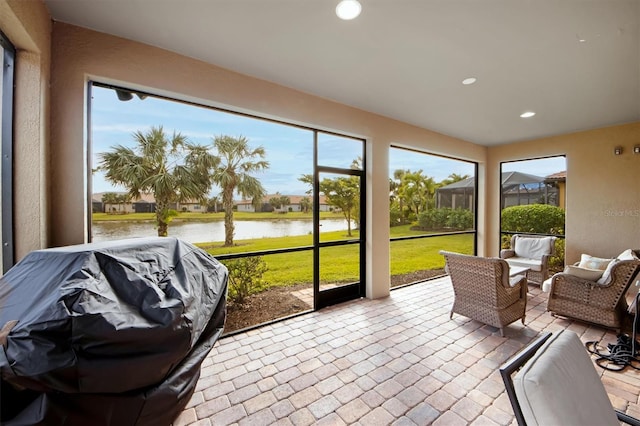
398	360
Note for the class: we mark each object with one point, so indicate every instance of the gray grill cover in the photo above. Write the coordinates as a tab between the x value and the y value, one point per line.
107	333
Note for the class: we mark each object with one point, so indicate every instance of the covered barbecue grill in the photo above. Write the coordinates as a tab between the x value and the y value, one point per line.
108	333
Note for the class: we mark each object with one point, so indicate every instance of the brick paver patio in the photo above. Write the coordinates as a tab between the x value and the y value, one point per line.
398	360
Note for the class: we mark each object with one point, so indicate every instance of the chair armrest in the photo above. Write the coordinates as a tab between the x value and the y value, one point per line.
562	283
544	263
506	253
570	287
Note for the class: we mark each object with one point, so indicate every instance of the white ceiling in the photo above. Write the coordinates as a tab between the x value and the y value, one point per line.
406	59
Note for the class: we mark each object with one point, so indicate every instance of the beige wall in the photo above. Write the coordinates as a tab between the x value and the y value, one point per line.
602	192
80	54
28	27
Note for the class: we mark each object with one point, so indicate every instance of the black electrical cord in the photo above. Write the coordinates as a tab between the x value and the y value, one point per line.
621	354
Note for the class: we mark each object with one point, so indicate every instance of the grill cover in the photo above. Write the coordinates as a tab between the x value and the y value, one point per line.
107	333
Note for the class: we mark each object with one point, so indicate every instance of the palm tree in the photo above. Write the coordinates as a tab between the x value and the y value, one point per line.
305	204
122	199
110	198
173	170
276	201
395	187
232	174
213	203
417	190
453	178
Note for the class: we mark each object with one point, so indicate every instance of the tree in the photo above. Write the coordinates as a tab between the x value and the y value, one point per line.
305	204
232	174
417	191
172	169
394	194
308	179
344	193
279	201
109	198
341	192
453	178
122	199
213	203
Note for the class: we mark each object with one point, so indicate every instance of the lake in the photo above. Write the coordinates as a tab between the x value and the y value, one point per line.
199	232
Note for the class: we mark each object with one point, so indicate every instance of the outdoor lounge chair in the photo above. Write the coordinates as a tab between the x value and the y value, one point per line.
600	302
533	252
484	291
557	384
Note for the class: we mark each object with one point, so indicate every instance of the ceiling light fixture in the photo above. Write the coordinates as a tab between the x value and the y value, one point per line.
468	81
348	9
527	114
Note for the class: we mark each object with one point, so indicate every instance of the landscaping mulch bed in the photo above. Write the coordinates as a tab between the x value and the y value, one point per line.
277	302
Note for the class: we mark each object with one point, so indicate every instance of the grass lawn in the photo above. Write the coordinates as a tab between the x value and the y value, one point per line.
340	264
337	264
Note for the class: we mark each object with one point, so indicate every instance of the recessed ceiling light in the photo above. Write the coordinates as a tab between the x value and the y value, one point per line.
468	81
348	9
527	114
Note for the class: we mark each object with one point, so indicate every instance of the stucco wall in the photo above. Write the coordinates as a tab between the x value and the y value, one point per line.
602	192
80	54
28	26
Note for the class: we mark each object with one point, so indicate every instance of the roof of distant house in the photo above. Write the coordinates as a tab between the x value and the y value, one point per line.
557	176
293	199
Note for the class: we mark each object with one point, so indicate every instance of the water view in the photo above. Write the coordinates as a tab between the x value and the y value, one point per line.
200	232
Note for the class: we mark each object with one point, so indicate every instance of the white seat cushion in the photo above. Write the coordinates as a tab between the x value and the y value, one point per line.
533	264
546	285
559	386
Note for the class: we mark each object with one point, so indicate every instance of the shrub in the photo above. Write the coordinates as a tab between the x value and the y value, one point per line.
539	219
245	277
460	219
395	216
556	262
446	217
534	218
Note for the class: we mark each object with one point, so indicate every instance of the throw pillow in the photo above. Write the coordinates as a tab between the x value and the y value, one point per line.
628	254
584	273
593	262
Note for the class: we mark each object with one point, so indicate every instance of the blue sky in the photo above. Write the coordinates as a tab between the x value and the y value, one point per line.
289	149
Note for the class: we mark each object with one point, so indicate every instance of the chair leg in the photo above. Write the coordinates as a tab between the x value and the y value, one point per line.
523	320
501	331
451	314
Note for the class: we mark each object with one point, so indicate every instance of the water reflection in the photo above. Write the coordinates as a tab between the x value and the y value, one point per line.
199	232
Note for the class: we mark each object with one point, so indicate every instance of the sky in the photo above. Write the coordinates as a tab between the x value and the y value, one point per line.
289	149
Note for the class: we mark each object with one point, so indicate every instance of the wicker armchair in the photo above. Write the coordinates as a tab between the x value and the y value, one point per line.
484	291
589	301
533	252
